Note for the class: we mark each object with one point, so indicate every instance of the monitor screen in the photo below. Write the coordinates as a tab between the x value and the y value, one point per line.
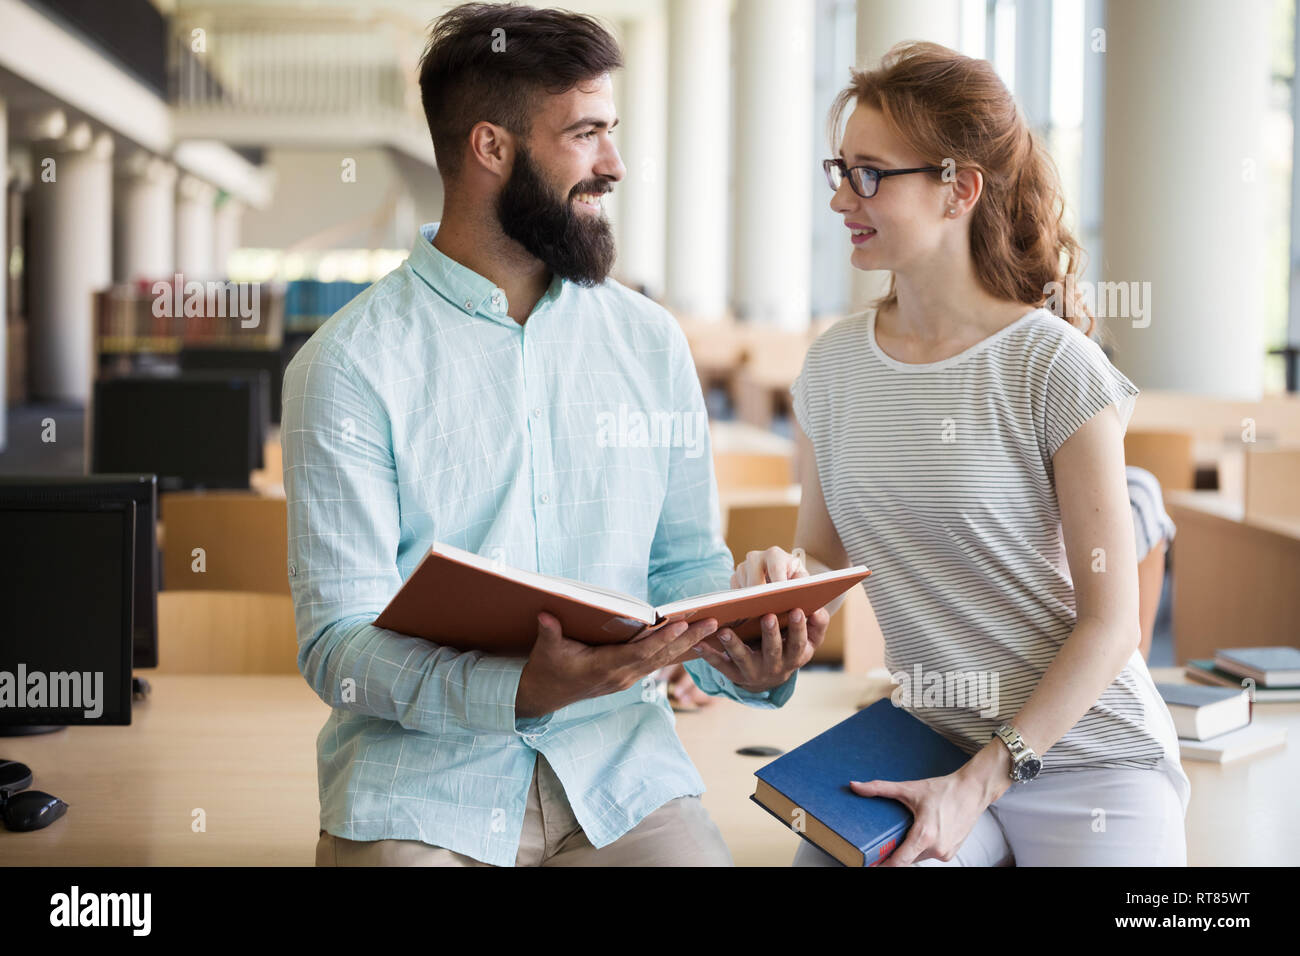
141	489
270	361
65	620
196	430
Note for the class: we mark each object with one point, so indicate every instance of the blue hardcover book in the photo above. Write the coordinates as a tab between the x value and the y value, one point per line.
808	790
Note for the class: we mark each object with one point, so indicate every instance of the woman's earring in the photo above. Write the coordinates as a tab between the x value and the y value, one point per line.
952	211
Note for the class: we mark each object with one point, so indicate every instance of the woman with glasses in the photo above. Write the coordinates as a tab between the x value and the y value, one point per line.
964	439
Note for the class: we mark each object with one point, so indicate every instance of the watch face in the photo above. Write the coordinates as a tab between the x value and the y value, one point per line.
1028	769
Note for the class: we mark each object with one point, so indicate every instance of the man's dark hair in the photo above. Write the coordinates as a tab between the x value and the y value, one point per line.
489	61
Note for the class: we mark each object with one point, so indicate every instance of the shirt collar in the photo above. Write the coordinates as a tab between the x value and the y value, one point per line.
463	287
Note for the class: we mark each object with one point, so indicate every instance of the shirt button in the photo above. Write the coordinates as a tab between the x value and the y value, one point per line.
546	499
469	305
496	298
537	412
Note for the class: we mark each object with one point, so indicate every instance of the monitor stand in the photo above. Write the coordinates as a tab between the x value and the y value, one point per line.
19	730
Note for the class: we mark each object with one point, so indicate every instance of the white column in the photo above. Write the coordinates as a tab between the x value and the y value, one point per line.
4	273
643	111
70	259
699	33
1182	208
613	202
145	223
229	215
195	213
881	24
774	153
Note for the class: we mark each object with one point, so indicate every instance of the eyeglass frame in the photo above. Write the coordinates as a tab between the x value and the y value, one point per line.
847	173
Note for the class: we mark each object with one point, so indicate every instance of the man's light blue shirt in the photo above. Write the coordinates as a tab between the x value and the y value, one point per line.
573	445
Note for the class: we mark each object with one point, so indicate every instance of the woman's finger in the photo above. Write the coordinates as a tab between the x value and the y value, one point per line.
893	789
777	564
915	847
754	568
798	566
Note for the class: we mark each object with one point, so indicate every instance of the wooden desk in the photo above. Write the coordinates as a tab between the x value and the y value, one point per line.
713	733
1234	577
244	750
1275	418
1243	813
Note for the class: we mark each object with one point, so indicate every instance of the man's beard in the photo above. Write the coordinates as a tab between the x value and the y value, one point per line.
572	245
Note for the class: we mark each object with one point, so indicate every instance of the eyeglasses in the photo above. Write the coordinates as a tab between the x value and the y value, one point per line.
865	180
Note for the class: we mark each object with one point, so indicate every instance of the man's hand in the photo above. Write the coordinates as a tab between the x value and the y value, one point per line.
561	671
756	670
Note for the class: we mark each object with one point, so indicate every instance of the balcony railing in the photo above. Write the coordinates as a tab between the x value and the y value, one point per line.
307	70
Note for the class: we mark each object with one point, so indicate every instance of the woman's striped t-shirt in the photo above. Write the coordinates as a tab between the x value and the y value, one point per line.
939	478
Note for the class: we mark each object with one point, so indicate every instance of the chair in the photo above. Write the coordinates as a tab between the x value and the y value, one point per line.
244	538
773	358
717	349
1168	455
758	520
226	632
1272	483
759	525
735	470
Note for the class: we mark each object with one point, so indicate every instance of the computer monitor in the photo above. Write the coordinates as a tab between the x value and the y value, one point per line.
270	361
196	430
261	380
66	629
140	489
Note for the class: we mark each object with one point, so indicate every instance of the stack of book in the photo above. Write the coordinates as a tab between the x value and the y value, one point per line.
1274	670
1213	716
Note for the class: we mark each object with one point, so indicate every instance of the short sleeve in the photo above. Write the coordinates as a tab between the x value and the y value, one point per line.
807	387
1081	381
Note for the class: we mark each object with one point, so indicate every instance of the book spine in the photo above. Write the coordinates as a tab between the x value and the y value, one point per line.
876	853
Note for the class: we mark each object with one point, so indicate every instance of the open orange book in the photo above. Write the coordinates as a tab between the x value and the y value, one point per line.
470	602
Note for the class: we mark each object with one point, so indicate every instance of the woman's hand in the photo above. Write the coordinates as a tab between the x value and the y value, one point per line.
944	811
763	567
782	652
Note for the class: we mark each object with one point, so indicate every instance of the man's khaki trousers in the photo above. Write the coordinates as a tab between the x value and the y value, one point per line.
680	833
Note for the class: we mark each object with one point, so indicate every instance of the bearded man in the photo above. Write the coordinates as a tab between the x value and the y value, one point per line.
459	399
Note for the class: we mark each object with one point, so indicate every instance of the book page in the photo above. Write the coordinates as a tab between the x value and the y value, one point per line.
702	600
616	602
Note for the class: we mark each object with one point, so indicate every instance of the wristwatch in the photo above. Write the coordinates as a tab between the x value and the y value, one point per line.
1025	764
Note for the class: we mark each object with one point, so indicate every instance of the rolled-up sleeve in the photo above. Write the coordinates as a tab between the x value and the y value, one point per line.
340	480
688	555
